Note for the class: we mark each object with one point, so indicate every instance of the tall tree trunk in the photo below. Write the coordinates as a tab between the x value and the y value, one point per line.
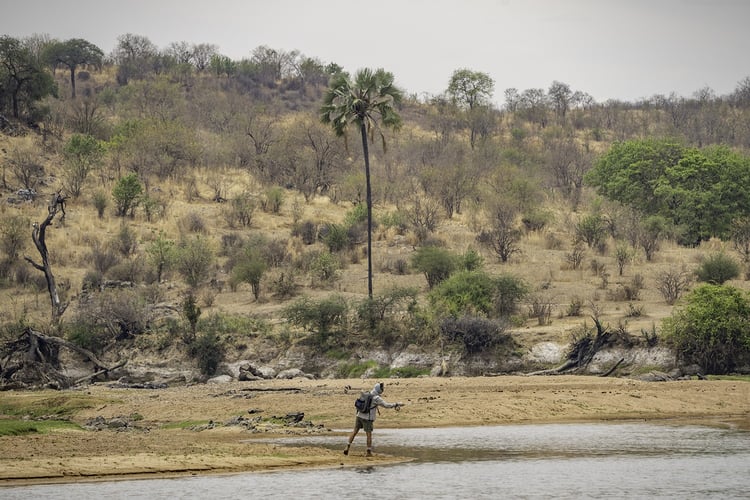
368	196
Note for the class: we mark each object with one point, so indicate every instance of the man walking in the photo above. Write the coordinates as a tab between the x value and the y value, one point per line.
365	418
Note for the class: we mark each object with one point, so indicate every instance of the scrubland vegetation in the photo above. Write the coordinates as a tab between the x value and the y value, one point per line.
207	207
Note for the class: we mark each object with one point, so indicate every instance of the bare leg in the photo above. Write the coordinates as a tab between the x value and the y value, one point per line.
351	439
369	443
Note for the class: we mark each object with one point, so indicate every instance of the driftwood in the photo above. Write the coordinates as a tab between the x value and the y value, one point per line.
582	352
614	367
32	359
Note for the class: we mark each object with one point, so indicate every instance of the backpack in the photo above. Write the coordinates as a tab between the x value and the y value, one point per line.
364	402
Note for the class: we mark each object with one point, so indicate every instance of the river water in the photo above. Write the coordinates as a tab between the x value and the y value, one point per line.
566	461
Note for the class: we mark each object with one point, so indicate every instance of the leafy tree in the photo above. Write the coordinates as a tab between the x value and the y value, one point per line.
561	96
470	89
361	101
162	255
740	235
704	191
81	154
712	329
23	81
250	269
630	171
623	255
699	191
471	92
195	258
71	54
436	263
135	56
650	232
127	193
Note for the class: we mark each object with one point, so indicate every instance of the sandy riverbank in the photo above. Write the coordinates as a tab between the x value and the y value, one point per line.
149	448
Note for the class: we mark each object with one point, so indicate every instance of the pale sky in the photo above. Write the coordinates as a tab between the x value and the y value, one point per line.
611	49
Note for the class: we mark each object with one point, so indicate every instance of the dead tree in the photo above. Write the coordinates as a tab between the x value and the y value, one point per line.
38	234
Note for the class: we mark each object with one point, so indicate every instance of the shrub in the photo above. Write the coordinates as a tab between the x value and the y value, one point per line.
194	259
127	193
672	284
717	269
324	269
465	293
471	260
119	314
100	202
476	334
250	269
240	211
126	241
208	351
712	329
324	317
356	215
86	334
336	237
591	229
192	314
535	220
273	200
14	232
436	263
193	222
307	232
510	291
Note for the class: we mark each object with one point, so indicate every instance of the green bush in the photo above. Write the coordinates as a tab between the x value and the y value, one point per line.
127	194
712	329
510	291
436	263
325	317
356	215
208	351
86	334
465	293
717	269
336	237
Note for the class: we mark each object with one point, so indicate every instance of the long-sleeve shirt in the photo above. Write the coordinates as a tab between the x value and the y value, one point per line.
376	401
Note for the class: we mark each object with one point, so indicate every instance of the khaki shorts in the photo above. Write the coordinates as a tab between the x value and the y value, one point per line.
363	423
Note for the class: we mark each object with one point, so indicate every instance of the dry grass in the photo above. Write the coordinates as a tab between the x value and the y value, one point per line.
542	264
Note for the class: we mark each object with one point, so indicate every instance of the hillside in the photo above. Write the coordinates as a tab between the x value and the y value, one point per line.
232	170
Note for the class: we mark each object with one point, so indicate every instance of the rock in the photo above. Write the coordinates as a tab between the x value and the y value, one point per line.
293	373
546	352
221	379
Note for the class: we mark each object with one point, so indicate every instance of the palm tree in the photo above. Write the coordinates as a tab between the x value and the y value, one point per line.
361	101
